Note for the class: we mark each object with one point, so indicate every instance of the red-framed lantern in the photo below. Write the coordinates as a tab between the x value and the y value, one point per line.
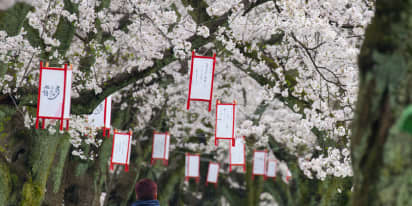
271	169
259	163
202	72
225	121
121	149
101	116
237	154
53	100
192	166
213	173
160	147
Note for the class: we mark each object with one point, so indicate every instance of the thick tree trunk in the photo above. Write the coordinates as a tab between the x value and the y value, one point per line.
382	138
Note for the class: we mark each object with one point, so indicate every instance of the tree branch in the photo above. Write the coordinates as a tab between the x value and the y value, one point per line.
307	52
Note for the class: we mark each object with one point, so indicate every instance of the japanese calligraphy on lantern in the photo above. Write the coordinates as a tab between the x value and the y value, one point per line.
237	154
213	172
259	163
201	79
192	165
54	94
271	169
225	121
97	117
100	118
121	149
51	94
224	127
160	146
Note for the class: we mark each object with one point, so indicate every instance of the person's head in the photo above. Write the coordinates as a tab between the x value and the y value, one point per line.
146	189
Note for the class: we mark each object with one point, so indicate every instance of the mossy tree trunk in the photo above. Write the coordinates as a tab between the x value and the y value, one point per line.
382	137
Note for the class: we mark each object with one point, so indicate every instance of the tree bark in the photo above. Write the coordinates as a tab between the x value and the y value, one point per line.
381	136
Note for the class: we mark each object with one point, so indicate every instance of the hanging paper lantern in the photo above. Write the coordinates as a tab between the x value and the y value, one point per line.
101	116
192	167
271	169
201	79
53	100
213	173
259	163
225	121
160	147
121	149
237	154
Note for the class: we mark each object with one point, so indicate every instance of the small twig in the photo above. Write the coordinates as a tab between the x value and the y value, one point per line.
80	37
26	70
15	104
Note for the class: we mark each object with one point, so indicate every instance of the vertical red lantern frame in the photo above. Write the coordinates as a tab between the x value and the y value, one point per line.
165	156
244	157
188	176
126	163
267	168
218	103
288	175
191	79
264	165
207	177
61	117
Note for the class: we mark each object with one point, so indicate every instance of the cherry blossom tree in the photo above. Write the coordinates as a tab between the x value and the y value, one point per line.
290	65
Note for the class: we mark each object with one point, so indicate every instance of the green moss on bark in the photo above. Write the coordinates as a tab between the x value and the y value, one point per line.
42	154
105	154
5	183
395	183
32	194
57	172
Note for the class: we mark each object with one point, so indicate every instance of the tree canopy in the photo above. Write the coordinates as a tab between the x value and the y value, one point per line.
290	65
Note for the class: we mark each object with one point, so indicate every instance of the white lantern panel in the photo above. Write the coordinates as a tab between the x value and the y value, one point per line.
97	117
67	98
51	93
224	123
167	146
108	112
213	172
192	166
237	153
271	169
159	142
259	163
202	78
120	146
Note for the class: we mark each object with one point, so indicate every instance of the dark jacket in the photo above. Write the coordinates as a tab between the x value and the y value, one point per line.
146	203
